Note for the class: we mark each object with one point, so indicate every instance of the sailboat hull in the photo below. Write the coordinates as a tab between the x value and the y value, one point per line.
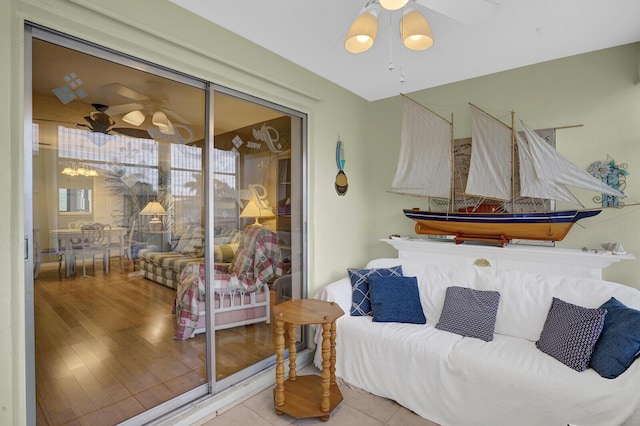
501	227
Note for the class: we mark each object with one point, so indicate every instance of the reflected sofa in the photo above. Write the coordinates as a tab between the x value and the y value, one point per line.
165	267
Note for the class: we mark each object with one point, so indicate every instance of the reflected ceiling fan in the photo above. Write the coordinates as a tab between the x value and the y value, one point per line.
100	122
153	107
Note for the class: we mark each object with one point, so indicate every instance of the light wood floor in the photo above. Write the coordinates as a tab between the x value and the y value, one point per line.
105	352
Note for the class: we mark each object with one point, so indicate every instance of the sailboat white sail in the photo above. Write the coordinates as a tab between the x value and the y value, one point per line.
424	166
491	152
552	168
537	187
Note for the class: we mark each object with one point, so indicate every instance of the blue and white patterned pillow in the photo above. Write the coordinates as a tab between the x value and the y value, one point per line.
360	296
570	333
469	312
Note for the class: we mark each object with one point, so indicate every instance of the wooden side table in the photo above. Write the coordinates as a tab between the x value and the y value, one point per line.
311	395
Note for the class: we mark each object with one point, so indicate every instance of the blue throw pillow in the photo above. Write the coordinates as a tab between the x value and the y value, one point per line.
469	312
360	299
396	299
570	333
619	342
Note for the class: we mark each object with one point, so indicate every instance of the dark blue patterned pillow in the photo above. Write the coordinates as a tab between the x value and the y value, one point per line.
360	299
469	312
396	299
619	342
570	333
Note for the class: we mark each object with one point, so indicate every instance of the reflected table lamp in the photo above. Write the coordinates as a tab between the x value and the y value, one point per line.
252	210
154	209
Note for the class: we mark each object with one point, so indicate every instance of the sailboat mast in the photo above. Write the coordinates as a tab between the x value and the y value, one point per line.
452	203
513	162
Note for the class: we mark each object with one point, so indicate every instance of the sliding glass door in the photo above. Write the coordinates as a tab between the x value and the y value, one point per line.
118	210
167	222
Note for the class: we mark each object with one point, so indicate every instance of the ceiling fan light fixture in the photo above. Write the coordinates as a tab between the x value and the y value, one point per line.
362	33
393	4
135	117
160	119
415	31
167	130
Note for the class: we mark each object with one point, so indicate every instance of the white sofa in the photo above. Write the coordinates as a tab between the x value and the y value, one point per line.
455	380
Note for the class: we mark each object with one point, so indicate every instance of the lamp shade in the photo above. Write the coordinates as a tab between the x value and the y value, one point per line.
415	31
362	33
135	117
393	4
252	210
153	208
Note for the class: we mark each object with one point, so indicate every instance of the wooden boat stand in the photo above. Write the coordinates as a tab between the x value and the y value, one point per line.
500	240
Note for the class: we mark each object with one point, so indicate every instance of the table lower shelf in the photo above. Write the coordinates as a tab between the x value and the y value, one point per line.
302	397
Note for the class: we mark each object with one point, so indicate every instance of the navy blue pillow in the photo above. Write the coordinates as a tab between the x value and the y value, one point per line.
360	299
619	342
396	299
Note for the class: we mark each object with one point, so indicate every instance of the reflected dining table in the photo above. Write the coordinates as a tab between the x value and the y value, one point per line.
64	238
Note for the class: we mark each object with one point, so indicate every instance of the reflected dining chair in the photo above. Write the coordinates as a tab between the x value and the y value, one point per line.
127	246
121	244
95	240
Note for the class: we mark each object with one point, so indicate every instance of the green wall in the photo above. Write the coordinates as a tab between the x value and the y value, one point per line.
597	90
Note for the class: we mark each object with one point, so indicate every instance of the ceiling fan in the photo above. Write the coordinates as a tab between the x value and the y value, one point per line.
100	122
136	113
414	29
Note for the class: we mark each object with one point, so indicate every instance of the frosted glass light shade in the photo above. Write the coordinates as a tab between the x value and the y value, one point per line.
415	31
135	118
362	33
393	4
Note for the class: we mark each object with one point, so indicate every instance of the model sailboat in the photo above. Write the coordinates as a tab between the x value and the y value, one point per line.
425	168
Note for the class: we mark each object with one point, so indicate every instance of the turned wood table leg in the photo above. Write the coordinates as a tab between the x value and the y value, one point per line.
326	364
332	365
291	330
279	394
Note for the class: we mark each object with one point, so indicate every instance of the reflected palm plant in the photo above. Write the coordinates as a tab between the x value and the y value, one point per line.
135	191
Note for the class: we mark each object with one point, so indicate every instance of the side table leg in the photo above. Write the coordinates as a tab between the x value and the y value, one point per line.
291	330
332	364
279	392
326	349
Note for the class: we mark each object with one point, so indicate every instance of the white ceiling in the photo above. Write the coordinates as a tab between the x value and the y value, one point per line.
472	37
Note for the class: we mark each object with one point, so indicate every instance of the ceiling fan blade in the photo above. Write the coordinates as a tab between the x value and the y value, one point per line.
176	117
134	133
124	91
466	11
124	108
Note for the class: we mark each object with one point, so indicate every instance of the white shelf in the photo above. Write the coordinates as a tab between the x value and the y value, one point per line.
534	259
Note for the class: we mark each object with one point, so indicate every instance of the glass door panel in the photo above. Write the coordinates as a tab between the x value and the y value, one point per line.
121	147
257	226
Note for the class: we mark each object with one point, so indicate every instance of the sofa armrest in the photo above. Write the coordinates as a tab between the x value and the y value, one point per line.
339	292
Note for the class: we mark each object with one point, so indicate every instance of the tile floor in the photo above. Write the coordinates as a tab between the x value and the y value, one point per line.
357	408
